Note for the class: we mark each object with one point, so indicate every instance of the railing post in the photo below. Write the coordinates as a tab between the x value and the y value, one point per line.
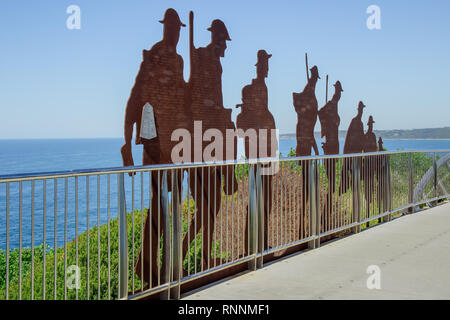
260	212
411	184
252	218
387	189
176	235
435	179
356	193
313	205
166	260
123	240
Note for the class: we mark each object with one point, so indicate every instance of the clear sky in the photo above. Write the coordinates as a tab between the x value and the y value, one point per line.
61	83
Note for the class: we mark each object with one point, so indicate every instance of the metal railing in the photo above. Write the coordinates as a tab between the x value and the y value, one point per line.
125	233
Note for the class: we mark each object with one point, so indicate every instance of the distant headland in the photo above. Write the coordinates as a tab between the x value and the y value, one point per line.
427	133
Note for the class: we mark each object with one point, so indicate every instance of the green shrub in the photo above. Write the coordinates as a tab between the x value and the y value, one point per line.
98	289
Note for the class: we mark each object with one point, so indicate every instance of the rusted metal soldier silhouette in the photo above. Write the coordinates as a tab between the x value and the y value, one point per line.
383	177
306	106
370	141
370	164
206	101
329	120
160	83
354	141
255	115
380	144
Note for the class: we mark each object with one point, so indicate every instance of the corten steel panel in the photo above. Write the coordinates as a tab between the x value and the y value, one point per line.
329	122
178	104
255	115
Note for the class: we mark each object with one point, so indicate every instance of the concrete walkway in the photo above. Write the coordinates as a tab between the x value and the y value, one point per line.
412	252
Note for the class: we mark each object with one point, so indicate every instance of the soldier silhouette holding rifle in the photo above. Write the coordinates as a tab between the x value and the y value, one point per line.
206	102
329	120
306	106
255	115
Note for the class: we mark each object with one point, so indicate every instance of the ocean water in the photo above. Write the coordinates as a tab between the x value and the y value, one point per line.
88	204
27	156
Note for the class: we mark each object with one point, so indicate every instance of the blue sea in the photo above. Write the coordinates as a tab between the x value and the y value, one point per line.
31	156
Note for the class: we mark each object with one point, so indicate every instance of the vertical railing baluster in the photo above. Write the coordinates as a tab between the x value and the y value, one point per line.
288	203
221	217
142	230
252	218
32	240
150	214
195	221
411	184
284	197
123	239
65	237
356	192
243	208
158	195
20	240
298	201
278	224
55	244
109	236
215	210
435	179
188	195
132	232
176	236
7	242
202	223
208	257
76	231
98	237
388	187
166	267
44	225
180	230
260	217
232	216
314	212
87	239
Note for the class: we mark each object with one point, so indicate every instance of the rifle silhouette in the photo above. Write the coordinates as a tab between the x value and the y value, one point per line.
316	150
191	38
307	69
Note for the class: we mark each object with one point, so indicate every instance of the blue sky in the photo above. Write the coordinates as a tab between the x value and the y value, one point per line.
60	83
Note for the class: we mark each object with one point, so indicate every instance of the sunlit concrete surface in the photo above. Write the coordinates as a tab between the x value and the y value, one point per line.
412	252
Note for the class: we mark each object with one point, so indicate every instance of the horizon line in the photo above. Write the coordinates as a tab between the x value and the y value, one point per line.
281	134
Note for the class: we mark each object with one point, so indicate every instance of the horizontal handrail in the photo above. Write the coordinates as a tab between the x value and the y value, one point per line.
135	169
